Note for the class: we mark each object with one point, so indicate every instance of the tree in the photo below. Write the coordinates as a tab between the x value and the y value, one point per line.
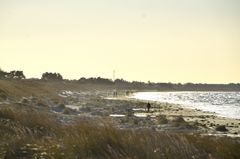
2	74
98	80
15	75
82	80
52	76
121	81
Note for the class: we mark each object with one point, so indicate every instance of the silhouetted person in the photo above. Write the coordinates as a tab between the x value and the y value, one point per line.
115	94
148	107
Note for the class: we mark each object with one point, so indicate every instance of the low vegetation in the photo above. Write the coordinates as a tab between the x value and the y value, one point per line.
29	130
26	133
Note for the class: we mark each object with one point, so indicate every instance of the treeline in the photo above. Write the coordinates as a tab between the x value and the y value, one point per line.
12	75
162	86
121	83
16	74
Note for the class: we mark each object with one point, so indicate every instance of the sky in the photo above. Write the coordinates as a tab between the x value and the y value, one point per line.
145	40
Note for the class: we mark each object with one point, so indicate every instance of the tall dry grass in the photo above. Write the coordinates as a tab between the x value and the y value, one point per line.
33	134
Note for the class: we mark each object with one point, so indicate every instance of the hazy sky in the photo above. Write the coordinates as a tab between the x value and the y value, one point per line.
156	40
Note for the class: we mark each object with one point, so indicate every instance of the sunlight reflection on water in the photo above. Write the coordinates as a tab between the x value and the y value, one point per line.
225	104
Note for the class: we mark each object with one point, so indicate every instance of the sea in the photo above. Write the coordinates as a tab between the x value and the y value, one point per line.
225	104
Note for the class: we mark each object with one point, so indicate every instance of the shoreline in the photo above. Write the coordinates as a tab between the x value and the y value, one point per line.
224	104
206	121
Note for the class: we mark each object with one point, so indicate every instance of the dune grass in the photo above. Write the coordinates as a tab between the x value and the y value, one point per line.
26	133
14	88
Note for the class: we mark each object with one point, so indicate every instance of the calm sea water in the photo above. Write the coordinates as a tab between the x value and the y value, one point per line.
226	104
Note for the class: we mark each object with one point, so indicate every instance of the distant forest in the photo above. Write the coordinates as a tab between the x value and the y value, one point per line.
123	84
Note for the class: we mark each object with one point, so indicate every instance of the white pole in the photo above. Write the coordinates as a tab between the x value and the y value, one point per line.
113	75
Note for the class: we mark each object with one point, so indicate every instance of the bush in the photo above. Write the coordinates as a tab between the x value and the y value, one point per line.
52	76
66	111
7	113
221	128
179	122
16	75
179	119
162	119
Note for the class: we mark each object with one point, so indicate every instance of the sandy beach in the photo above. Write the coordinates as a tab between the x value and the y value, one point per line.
204	122
129	113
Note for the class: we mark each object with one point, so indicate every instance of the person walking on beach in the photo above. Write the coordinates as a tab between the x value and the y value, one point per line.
148	107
